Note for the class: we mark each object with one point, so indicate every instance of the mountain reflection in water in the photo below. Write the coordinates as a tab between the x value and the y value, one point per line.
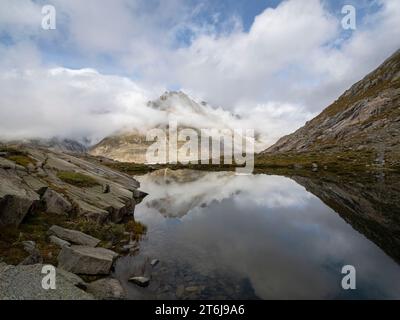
222	236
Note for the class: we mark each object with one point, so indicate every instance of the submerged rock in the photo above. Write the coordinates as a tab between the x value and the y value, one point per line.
154	262
86	260
74	236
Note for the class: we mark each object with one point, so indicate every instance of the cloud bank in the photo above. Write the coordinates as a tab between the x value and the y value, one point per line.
94	74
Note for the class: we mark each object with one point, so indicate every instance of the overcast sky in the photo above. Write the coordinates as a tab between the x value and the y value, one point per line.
275	63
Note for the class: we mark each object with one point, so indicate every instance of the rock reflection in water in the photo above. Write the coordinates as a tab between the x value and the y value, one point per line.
218	235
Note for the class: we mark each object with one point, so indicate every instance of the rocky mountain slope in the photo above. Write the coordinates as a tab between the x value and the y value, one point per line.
55	144
27	174
365	118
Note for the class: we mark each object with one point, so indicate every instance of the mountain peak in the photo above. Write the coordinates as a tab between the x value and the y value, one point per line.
177	102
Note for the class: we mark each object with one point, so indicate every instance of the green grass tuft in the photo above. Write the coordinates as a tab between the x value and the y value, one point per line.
77	179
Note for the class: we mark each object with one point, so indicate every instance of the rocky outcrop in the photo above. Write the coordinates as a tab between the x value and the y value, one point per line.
74	236
25	283
16	198
365	118
67	190
86	260
38	186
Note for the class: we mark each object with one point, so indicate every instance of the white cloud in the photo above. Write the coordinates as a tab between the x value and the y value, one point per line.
69	103
276	75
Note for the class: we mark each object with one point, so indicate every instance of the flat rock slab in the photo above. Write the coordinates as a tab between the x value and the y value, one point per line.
59	242
25	283
86	260
74	236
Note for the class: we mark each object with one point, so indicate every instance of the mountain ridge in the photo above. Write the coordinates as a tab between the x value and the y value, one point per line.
365	118
130	145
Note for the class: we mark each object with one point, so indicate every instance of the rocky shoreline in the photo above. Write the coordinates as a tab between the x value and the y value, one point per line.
61	210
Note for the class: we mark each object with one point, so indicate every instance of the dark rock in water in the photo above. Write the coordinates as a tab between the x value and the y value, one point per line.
129	246
140	281
106	289
154	262
139	195
86	260
74	236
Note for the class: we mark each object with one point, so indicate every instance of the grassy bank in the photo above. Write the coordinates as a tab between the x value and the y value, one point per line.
343	162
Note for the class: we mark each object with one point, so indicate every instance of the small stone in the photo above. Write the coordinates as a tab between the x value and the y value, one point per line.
140	281
315	166
154	262
128	247
134	249
107	188
29	246
192	289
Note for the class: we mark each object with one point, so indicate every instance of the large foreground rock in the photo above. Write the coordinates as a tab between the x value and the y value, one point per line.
25	283
56	203
86	260
16	198
74	236
107	289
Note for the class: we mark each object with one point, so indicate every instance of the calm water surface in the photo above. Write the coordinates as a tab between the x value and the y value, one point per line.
222	236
